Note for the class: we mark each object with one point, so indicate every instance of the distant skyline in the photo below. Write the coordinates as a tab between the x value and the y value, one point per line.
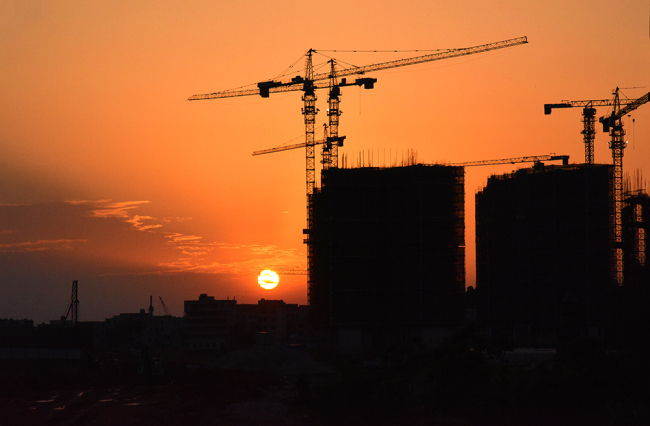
109	176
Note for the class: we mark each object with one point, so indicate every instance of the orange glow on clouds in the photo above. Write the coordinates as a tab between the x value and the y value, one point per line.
169	200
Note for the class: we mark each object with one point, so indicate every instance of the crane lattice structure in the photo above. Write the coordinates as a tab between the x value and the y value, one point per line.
327	141
588	120
163	306
281	271
537	159
74	306
530	159
330	80
614	126
334	80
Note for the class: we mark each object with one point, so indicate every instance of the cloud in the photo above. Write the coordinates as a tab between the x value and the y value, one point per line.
180	238
78	202
113	249
138	222
120	209
245	259
175	219
116	235
39	245
190	265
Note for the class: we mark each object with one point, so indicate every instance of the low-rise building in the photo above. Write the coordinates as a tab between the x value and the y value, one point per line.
225	325
208	323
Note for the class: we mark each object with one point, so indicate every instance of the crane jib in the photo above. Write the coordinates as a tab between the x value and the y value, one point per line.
320	81
609	121
452	53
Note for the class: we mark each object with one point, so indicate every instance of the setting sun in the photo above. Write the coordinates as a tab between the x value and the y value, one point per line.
268	279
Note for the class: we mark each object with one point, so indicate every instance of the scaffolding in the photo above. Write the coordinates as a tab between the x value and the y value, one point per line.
636	225
389	247
544	234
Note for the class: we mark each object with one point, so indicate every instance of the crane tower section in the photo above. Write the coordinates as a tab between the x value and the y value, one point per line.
588	120
308	85
614	125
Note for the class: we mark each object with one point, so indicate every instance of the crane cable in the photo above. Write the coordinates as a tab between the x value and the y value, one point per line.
298	137
286	70
290	70
387	51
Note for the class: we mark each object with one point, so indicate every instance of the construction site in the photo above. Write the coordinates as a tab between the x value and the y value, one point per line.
388	254
386	245
561	269
636	224
543	243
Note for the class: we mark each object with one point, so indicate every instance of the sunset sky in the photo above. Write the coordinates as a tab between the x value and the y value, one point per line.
109	176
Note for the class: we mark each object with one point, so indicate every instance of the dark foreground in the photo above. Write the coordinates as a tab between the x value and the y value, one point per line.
453	385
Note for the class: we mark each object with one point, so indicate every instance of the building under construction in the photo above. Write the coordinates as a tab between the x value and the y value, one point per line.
388	265
544	251
636	228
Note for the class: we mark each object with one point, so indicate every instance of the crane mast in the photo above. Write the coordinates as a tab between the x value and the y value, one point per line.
588	120
333	114
308	85
321	81
614	125
162	303
74	306
309	111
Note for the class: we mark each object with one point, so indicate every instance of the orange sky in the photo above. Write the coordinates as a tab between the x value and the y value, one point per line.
108	175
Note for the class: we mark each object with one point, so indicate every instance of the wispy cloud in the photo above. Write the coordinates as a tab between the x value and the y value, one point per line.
119	209
79	202
190	265
246	259
123	209
139	223
175	219
198	255
39	245
180	238
94	226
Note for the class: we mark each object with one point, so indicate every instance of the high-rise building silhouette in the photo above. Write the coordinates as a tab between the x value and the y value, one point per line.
389	254
544	248
636	229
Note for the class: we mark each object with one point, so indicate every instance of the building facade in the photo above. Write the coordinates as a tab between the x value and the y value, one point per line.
224	324
208	323
544	255
636	228
388	254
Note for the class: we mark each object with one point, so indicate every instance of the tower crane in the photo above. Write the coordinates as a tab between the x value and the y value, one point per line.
328	141
614	126
537	159
588	119
289	147
530	159
289	271
73	307
163	306
330	79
